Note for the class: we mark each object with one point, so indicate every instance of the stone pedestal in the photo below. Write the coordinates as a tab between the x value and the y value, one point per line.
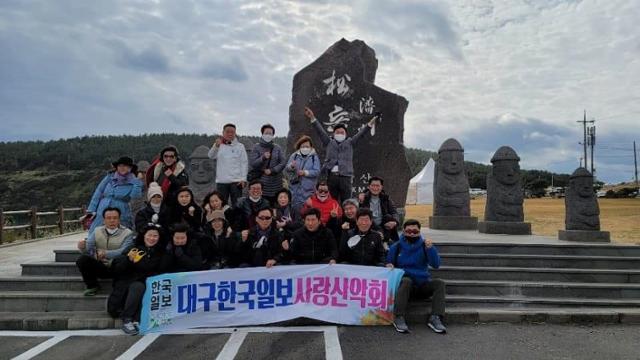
505	227
453	222
584	235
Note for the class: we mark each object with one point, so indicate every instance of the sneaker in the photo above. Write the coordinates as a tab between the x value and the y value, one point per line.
129	328
400	324
435	323
91	291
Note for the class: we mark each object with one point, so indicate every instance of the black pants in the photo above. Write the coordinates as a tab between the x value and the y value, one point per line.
92	270
231	189
126	299
340	187
434	289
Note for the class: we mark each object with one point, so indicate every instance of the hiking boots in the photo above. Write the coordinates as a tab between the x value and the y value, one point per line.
129	327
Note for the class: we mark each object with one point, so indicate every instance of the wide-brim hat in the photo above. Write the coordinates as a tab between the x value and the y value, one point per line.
125	160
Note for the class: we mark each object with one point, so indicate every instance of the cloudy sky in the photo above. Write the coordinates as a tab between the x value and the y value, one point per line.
489	73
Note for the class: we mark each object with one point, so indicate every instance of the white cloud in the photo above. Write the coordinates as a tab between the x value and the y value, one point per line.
191	66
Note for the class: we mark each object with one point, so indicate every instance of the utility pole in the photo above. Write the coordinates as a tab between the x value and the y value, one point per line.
584	139
635	161
591	141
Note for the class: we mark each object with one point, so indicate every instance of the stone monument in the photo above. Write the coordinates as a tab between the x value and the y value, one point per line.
202	173
451	202
503	212
582	213
339	88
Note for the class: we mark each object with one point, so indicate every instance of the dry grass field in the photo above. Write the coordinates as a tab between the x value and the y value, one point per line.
621	217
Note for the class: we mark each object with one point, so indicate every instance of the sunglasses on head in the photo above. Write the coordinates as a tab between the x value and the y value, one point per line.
411	232
264	217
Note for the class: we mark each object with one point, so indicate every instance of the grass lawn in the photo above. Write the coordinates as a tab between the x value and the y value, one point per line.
621	217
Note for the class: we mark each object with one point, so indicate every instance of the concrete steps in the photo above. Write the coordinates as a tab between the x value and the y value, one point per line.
485	283
542	261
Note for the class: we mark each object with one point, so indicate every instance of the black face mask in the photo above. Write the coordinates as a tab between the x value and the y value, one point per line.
412	238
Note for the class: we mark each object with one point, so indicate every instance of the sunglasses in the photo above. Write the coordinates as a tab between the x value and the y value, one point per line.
168	156
411	232
264	217
323	191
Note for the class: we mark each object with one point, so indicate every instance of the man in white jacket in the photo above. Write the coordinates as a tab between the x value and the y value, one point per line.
231	164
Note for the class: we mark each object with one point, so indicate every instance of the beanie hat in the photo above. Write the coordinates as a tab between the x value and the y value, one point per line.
154	189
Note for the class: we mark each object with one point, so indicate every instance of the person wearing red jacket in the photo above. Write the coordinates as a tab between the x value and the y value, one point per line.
329	208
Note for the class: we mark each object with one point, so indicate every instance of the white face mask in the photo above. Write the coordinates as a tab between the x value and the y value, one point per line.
111	231
339	137
305	151
267	137
255	200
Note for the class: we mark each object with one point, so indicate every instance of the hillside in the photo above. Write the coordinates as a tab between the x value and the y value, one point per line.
46	174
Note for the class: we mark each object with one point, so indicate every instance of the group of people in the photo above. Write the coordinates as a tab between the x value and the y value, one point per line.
298	210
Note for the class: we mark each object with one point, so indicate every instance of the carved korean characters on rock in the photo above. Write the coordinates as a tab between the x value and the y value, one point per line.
451	205
503	211
582	213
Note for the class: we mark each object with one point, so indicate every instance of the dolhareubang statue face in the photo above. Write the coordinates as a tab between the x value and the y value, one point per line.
583	186
201	170
452	162
506	172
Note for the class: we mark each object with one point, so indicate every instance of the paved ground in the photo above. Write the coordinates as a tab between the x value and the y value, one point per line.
493	341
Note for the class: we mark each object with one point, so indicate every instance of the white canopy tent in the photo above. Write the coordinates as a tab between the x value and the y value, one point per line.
420	190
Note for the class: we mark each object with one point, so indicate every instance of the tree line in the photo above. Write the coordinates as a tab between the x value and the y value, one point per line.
66	171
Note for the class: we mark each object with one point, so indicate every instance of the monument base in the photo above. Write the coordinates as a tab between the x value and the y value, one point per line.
453	222
504	227
584	235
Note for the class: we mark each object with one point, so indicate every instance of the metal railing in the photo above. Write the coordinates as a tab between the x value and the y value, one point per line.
33	214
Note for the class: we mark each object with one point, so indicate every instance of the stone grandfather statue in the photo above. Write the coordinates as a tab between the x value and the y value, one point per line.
503	213
582	213
451	201
202	171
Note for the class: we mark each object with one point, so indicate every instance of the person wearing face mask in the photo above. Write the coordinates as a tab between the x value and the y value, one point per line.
362	245
338	162
415	254
266	163
169	172
248	206
155	210
116	189
303	169
101	247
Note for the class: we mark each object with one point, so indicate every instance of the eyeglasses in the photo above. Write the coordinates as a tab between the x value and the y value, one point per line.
168	156
411	232
323	191
264	218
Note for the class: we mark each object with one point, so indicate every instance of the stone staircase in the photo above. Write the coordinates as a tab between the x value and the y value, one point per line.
485	283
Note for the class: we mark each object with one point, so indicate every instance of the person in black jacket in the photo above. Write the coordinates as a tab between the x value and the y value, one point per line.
362	246
184	250
131	269
185	210
262	244
169	172
247	207
155	210
314	243
385	215
220	246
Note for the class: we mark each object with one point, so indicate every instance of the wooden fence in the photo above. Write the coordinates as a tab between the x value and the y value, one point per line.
33	214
